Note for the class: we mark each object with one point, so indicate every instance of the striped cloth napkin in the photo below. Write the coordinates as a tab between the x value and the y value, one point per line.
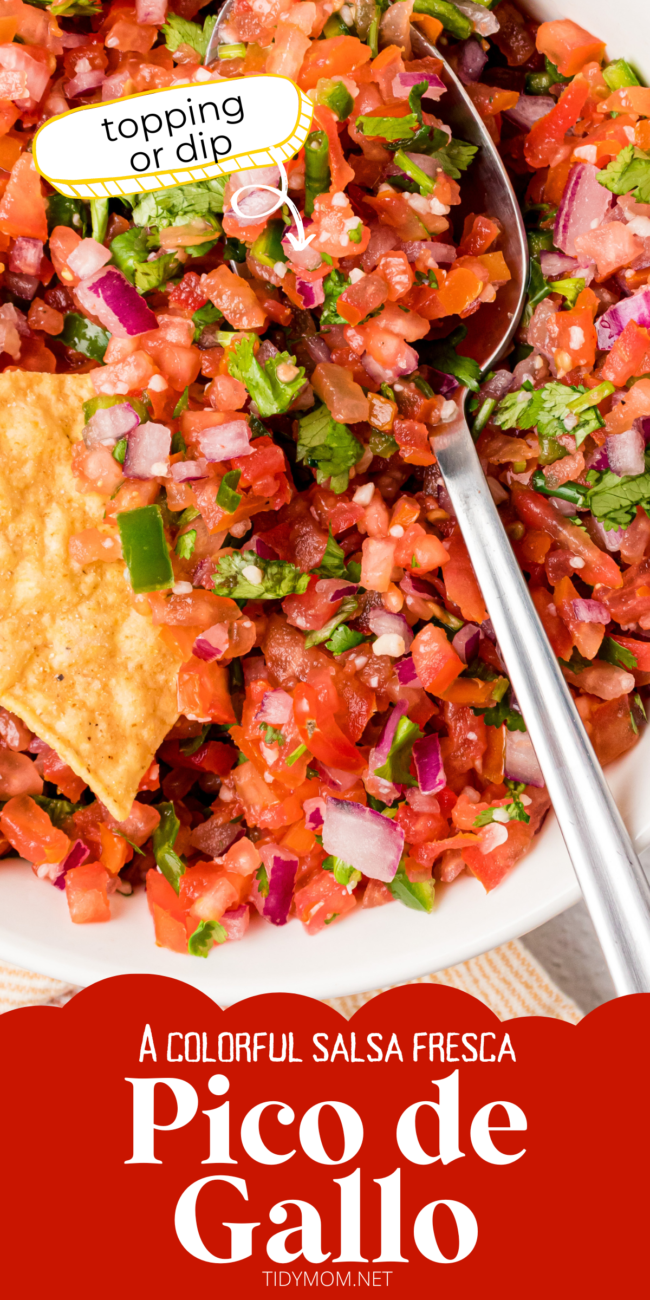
507	979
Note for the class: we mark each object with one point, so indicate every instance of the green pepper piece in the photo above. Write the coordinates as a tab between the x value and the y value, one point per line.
450	17
64	211
573	492
145	549
164	838
104	400
99	217
539	241
425	183
227	497
267	248
79	333
317	168
483	417
538	83
335	27
335	95
119	450
619	74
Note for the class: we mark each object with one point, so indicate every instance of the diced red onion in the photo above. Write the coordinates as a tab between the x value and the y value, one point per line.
23	286
225	441
384	375
613	321
521	760
442	384
335	776
255	203
598	458
212	643
147	451
89	256
485	23
266	352
72	40
261	548
643	424
583	207
314	810
406	672
404	82
26	256
424	162
440	252
590	611
382	748
77	853
472	59
382	623
466	642
109	424
308	258
281	867
310	294
528	110
360	836
84	82
235	923
117	304
276	708
414	586
429	766
557	264
612	538
335	588
213	838
626	452
16	58
317	348
184	470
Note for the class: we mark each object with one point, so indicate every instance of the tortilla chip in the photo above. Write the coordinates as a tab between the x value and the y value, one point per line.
78	663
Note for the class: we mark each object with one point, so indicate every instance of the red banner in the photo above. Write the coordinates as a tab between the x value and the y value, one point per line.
151	1142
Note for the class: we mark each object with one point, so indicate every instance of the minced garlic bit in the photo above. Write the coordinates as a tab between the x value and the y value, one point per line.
253	574
389	643
363	495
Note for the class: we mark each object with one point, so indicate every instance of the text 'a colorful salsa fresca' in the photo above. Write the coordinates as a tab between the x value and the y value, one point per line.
244	659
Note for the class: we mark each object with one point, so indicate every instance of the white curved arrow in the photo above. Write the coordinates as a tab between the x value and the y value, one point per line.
298	242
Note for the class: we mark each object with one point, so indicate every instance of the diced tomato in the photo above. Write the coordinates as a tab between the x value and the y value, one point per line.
549	131
322	900
211	756
537	511
419	551
460	580
436	662
568	46
321	734
85	889
203	692
22	207
573	336
623	415
31	832
629	356
478	233
332	57
235	298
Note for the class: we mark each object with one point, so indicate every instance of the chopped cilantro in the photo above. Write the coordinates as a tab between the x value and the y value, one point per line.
443	356
270	394
164	838
207	315
185	545
58	810
328	447
347	609
343	638
279	577
180	31
343	873
271	734
191	746
207	933
497	714
332	564
418	894
613	500
616	654
262	878
152	274
179	205
181	406
553	409
297	753
396	766
628	172
333	286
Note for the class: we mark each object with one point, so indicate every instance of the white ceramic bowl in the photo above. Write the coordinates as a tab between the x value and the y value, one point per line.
370	949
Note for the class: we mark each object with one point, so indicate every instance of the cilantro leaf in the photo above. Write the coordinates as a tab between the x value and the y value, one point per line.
58	810
185	545
262	878
538	286
179	205
270	394
499	713
208	315
179	31
333	286
332	564
396	766
342	639
616	654
343	873
151	275
328	447
272	735
629	171
130	249
279	577
418	894
207	933
347	609
555	409
455	157
164	838
613	500
443	356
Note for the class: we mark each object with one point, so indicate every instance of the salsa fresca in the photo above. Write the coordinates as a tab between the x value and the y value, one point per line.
261	430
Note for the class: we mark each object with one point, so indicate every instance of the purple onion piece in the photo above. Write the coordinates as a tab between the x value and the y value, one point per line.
466	643
404	82
557	264
370	843
261	548
406	672
643	425
382	748
590	611
613	321
335	588
528	110
317	348
472	59
335	776
182	471
310	294
276	708
147	451
583	207
224	441
612	538
429	766
235	923
626	452
76	855
381	622
115	302
109	424
521	760
212	643
281	867
314	810
443	385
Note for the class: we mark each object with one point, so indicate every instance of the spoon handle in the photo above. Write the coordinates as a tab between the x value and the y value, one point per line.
609	872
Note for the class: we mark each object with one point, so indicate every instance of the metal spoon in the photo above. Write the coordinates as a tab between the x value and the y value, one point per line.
609	872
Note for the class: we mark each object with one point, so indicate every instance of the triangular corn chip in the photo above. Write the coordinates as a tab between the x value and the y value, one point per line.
86	671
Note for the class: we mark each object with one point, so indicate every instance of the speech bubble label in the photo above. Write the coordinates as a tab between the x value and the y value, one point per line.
171	137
